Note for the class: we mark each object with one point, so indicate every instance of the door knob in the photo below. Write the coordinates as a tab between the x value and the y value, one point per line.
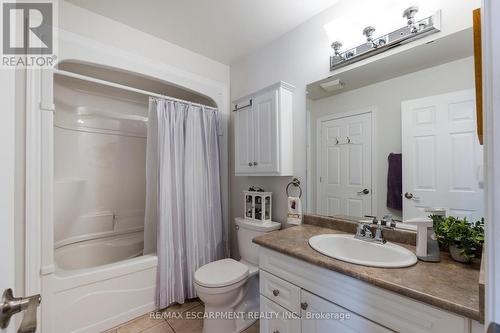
11	305
365	191
410	196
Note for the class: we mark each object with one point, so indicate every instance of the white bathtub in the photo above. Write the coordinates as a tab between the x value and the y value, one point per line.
99	252
98	284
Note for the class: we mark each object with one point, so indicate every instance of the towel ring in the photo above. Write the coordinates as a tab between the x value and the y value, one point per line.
295	182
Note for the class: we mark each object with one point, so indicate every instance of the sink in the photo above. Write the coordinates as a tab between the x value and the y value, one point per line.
347	248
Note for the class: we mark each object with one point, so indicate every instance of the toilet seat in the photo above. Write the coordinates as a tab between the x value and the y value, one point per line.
221	273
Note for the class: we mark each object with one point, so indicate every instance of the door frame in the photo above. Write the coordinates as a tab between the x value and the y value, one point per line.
7	192
333	116
491	102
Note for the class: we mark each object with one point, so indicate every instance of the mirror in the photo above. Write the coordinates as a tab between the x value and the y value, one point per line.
397	136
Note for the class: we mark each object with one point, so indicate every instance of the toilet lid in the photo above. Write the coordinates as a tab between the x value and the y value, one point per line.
220	273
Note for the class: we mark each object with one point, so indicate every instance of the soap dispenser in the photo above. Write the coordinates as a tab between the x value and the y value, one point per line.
427	245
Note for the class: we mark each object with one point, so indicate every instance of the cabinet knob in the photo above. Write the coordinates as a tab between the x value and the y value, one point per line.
276	331
276	292
303	305
250	164
255	163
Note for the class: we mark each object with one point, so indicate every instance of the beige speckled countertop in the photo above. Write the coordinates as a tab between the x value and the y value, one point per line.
448	285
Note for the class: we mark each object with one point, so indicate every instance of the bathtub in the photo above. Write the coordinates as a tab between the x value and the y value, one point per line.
98	284
99	252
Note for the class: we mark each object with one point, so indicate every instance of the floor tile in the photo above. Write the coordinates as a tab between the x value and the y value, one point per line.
138	325
188	304
164	327
188	325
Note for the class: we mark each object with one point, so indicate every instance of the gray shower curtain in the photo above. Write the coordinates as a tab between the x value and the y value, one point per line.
183	197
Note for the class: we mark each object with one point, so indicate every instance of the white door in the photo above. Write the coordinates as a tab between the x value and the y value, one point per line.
243	140
442	158
321	316
345	165
265	124
7	278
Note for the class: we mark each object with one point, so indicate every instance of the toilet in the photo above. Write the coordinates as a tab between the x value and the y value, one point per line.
229	287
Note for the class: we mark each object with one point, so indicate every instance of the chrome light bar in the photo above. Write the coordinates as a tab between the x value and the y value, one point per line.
413	31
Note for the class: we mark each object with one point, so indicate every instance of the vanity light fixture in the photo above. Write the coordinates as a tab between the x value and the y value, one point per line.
412	31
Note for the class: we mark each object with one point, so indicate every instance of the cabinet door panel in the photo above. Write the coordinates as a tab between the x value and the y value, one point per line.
243	140
265	120
280	291
277	319
322	316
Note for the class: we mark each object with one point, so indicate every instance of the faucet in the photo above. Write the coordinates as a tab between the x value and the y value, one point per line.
364	231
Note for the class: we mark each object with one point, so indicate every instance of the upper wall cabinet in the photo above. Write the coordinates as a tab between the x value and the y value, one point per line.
263	125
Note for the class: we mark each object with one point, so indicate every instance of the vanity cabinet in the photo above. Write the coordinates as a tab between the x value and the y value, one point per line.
263	126
297	296
321	316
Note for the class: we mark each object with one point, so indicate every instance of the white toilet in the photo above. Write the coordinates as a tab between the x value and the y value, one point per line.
229	287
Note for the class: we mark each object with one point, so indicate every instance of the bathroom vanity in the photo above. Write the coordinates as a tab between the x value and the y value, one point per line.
302	290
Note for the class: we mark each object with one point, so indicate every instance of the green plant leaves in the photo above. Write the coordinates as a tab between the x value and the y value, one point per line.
466	236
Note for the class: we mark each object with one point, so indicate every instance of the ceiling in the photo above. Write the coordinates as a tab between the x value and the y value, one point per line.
223	30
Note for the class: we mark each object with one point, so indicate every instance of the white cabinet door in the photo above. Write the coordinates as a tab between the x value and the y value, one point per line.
277	319
263	132
321	316
442	158
345	165
265	123
243	140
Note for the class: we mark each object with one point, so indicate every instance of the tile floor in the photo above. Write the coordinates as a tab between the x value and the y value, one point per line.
174	322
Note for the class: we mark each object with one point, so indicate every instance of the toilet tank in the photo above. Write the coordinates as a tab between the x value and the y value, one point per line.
246	230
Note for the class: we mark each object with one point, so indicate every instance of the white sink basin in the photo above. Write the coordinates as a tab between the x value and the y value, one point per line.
347	248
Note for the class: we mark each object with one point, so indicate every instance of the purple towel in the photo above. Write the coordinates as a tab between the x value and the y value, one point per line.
395	182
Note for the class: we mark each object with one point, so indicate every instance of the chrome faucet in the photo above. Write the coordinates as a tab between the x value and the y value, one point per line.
364	232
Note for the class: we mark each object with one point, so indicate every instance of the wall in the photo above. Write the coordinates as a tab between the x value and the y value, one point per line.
99	161
114	34
301	57
491	98
386	97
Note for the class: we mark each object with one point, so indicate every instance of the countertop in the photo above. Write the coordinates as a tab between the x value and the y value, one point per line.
448	285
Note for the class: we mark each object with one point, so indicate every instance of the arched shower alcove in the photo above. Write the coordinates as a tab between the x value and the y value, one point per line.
99	157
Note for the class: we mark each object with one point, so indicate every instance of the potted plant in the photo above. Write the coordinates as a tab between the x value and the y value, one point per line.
463	238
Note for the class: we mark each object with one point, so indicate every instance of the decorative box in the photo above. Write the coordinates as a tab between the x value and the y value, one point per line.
257	205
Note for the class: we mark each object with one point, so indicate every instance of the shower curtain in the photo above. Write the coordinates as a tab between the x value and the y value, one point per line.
184	222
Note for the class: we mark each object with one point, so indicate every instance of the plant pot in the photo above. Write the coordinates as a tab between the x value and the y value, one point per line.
455	253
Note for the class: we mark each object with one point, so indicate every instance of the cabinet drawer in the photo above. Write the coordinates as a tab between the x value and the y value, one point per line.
276	319
321	316
280	291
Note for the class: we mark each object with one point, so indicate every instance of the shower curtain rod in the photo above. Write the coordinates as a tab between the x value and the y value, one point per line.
124	87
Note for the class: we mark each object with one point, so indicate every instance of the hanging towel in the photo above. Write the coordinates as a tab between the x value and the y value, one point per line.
294	211
395	182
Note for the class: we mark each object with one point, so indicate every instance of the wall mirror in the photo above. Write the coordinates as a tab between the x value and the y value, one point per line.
398	135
